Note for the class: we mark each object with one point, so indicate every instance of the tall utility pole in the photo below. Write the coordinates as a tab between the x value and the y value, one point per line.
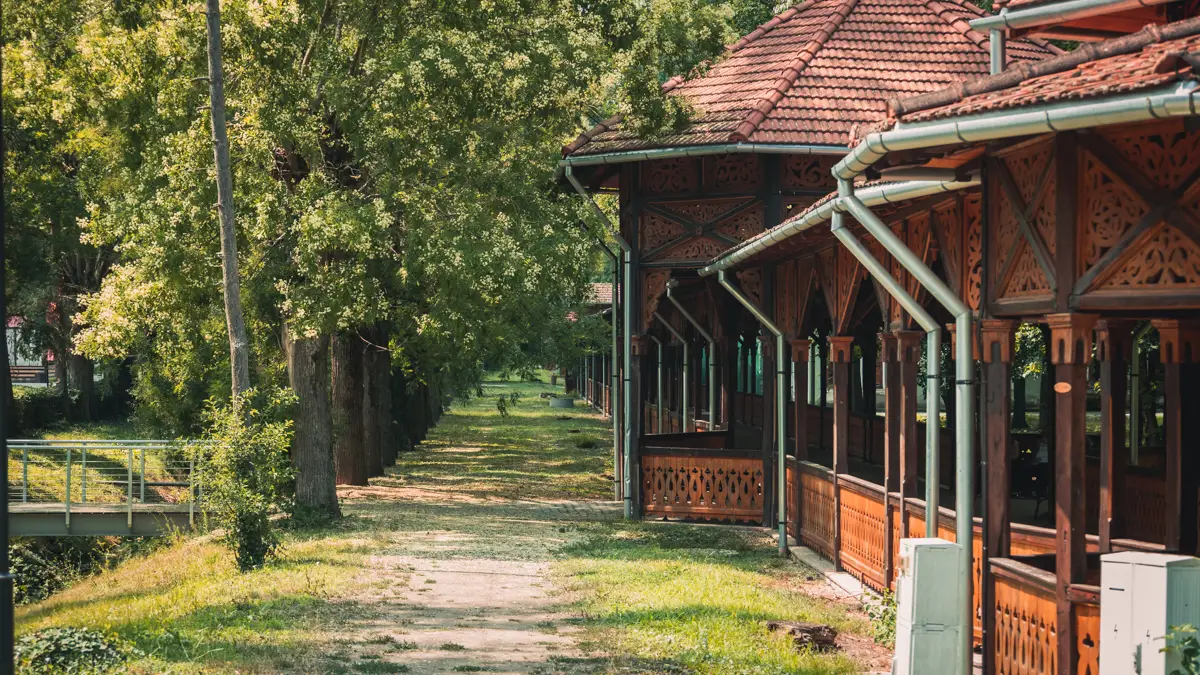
239	347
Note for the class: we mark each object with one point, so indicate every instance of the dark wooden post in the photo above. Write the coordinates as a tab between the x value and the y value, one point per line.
840	349
908	353
1179	346
770	489
891	445
1113	343
997	354
640	360
800	353
1070	352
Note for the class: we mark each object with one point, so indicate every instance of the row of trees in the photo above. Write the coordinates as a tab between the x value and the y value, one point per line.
397	225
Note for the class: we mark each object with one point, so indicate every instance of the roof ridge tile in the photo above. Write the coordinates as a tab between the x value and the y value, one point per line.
788	78
774	22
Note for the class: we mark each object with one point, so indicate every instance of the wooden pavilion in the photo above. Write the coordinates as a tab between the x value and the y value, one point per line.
1060	190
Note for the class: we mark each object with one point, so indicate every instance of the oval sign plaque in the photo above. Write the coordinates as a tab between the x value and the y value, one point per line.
1063	387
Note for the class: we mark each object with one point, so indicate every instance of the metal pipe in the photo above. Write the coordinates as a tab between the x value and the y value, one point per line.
875	195
67	497
1057	12
1135	396
83	477
780	407
626	423
1172	101
679	336
999	49
712	350
964	396
658	388
933	332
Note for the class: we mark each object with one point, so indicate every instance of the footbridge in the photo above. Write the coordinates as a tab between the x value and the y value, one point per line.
103	487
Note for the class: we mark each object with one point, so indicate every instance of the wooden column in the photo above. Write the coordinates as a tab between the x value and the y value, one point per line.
908	354
643	354
997	351
840	349
891	445
800	354
770	489
1070	352
1113	348
1179	347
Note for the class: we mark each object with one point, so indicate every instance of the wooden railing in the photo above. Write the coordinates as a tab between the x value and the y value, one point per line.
863	529
720	485
792	475
1026	636
816	508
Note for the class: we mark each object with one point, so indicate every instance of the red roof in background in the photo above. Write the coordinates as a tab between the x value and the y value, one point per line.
1154	57
811	74
600	294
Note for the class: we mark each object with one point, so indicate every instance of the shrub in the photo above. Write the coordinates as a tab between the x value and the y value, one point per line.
71	650
1182	641
38	408
883	619
245	474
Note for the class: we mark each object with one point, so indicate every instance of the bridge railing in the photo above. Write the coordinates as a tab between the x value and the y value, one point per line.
105	473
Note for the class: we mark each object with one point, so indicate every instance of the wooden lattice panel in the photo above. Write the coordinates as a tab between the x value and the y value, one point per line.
1110	209
744	225
705	487
734	172
1086	617
973	236
862	534
1163	258
1026	628
654	284
704	210
670	176
793	506
816	511
656	231
808	172
1025	276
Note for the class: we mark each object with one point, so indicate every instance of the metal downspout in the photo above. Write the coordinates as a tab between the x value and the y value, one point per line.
625	422
712	350
686	369
964	396
780	407
999	49
933	341
658	389
1135	397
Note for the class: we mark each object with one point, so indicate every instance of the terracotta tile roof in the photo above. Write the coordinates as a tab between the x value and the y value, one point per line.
1154	57
809	75
600	294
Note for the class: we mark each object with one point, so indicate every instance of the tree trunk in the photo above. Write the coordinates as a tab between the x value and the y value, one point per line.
1019	411
381	370
312	444
372	442
82	375
239	346
349	451
400	411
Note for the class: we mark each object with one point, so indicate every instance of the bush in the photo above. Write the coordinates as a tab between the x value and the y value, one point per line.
44	566
246	475
883	619
1182	641
38	408
71	650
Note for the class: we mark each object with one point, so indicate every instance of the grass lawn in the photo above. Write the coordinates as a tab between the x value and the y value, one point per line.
484	490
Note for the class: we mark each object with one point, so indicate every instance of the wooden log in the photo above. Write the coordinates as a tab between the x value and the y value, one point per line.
806	635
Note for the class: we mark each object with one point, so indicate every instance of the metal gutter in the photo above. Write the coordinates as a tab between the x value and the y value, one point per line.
1056	12
712	350
780	407
686	367
933	346
964	396
1176	101
624	421
696	151
875	195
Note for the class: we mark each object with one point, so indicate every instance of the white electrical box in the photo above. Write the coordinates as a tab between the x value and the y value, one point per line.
928	605
1142	595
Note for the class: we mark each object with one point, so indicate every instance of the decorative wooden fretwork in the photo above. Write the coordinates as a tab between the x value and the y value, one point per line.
751	283
817	509
669	176
794	280
738	171
808	172
744	225
1026	627
1024	186
1140	215
973	227
1025	277
704	211
862	533
699	249
654	283
827	274
877	251
706	487
657	231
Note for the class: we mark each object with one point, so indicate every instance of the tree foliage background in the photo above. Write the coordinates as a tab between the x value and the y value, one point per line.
392	165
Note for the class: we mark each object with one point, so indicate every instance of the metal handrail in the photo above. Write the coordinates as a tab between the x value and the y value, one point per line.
93	473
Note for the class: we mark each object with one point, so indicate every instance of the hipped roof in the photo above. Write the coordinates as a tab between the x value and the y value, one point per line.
812	74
